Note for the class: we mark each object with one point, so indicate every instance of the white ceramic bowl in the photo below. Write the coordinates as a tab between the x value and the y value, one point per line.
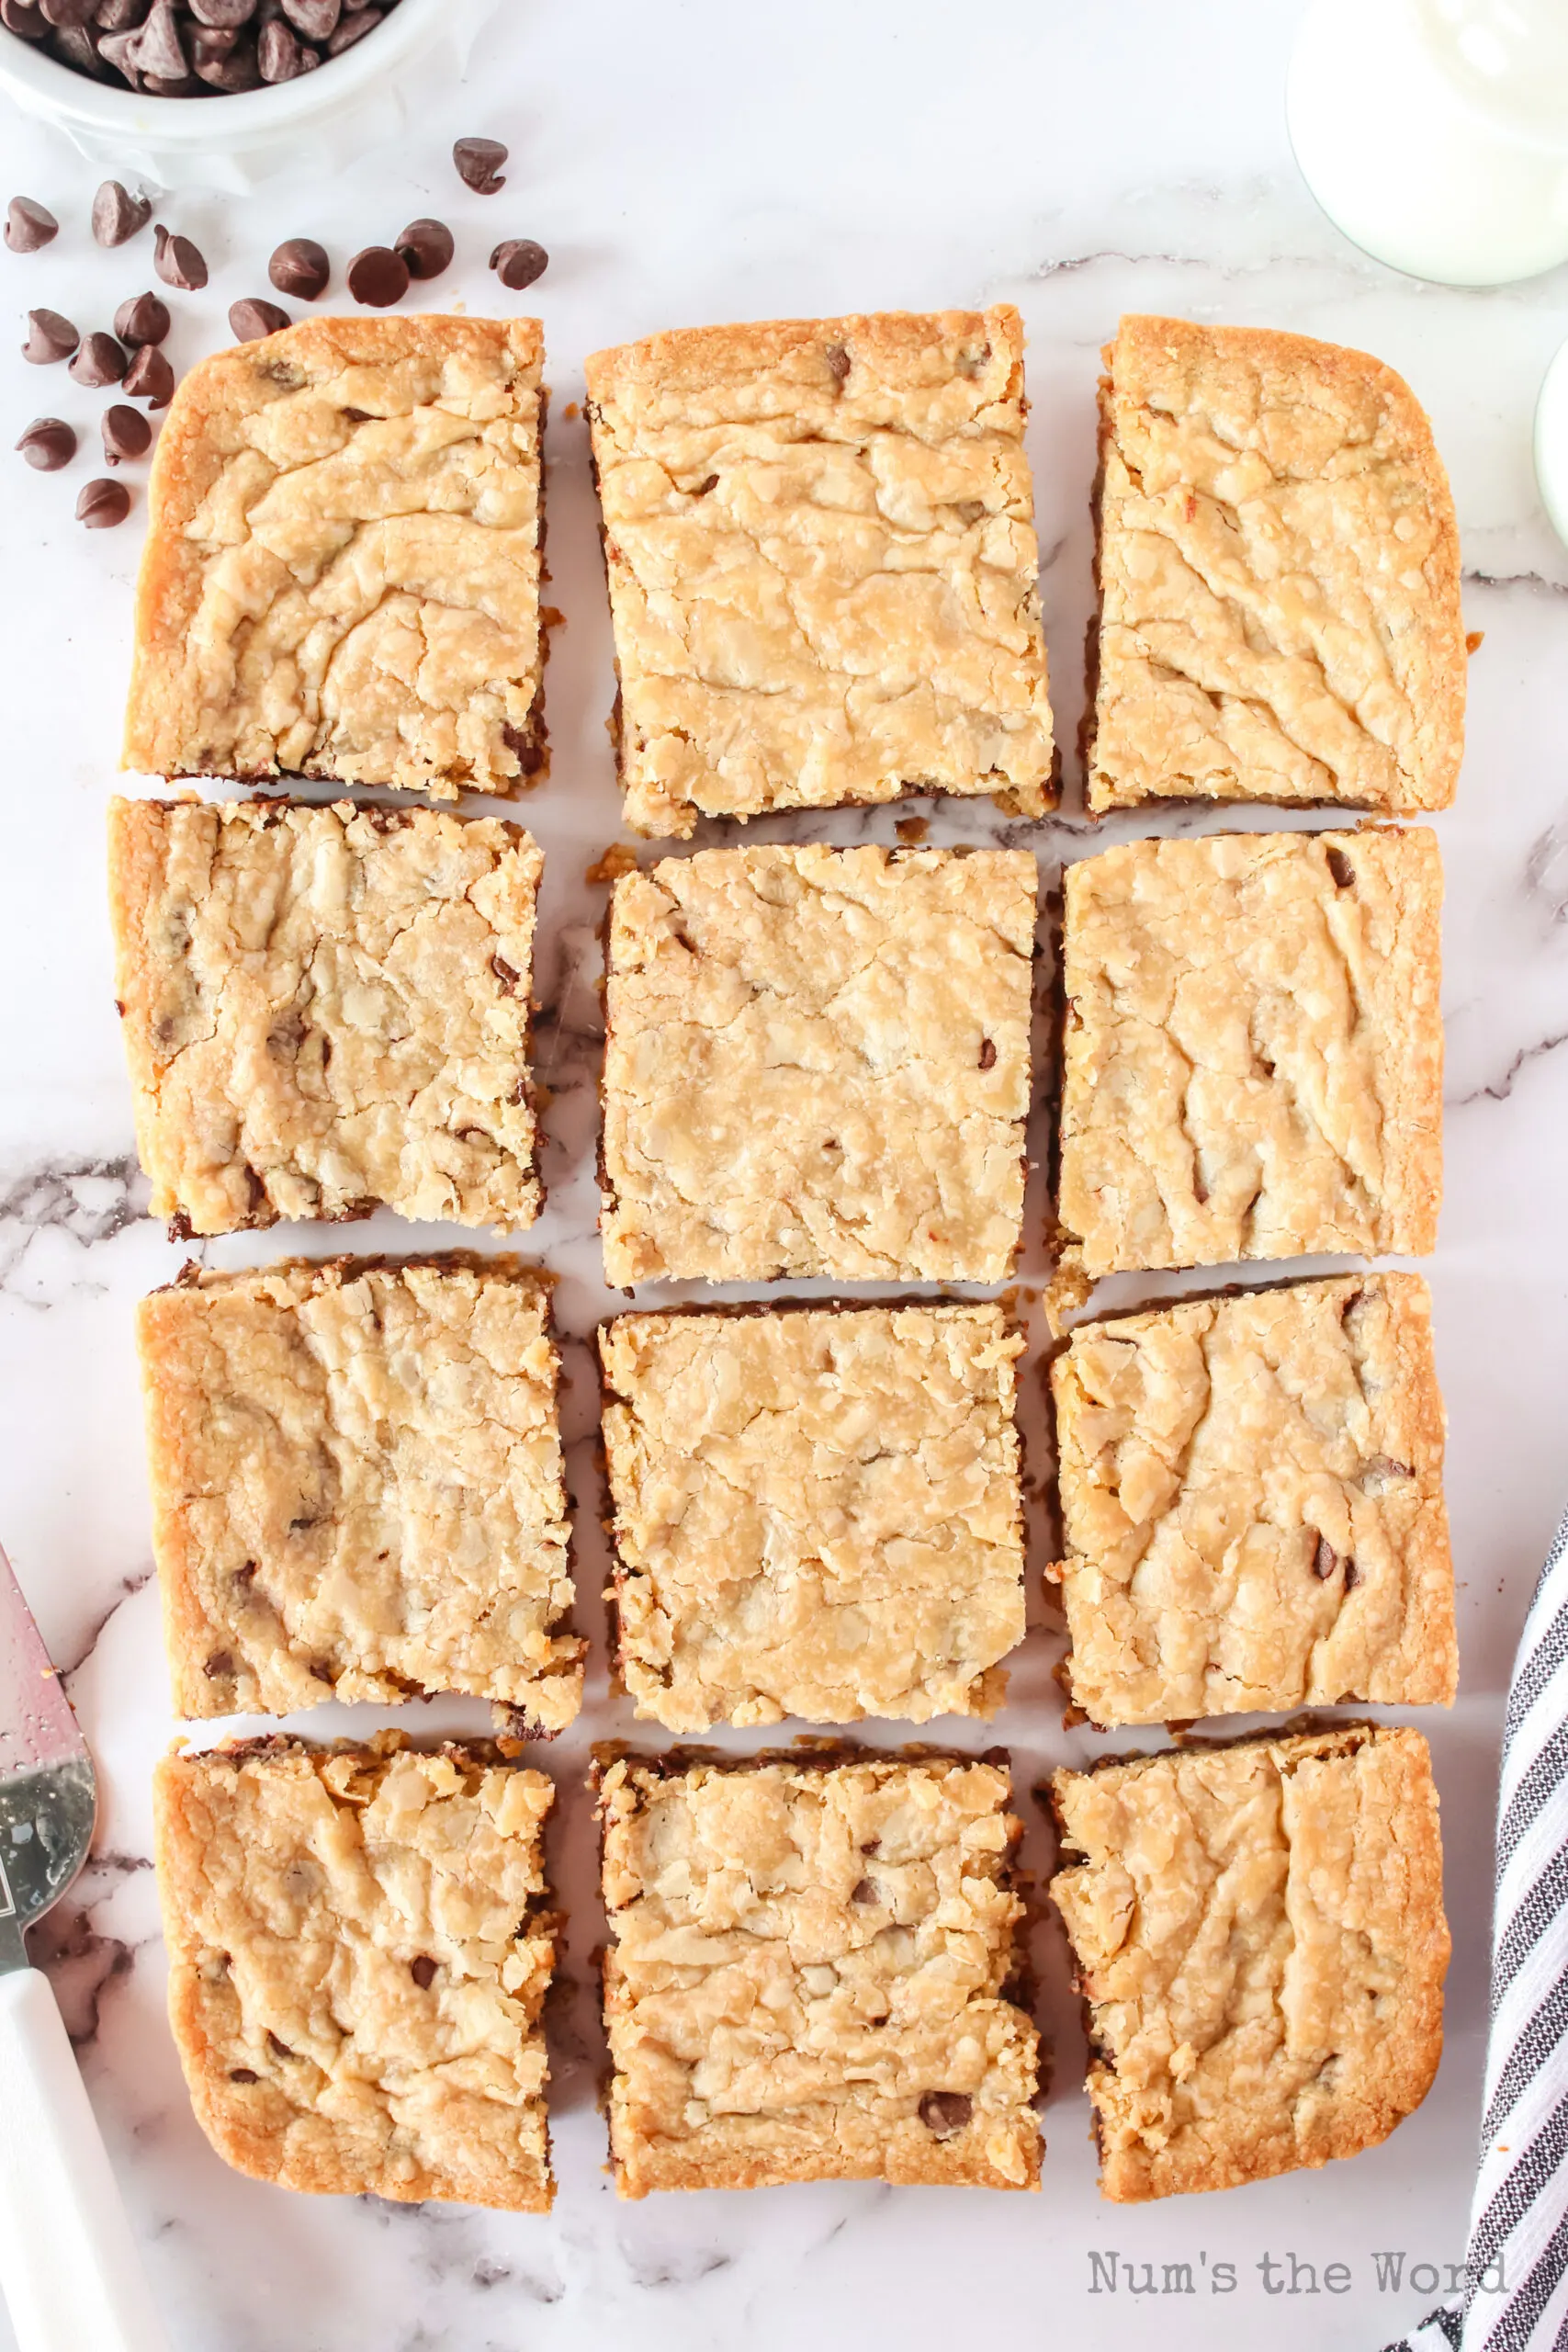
316	123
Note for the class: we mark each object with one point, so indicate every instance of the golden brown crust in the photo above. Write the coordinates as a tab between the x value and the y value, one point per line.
357	1486
358	1961
822	565
325	1008
811	1972
1253	1504
1279	573
818	1512
817	1062
1254	1049
341	570
1260	1933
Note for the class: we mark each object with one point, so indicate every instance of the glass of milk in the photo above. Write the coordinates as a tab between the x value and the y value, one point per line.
1435	132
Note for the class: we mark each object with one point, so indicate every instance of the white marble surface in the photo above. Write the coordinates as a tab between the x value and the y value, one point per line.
686	163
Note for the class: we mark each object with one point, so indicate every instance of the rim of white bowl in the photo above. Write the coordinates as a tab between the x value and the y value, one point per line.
41	84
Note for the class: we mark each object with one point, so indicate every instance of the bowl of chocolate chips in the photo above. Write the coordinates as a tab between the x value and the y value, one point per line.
223	93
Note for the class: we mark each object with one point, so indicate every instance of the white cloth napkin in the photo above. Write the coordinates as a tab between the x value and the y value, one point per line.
1516	2297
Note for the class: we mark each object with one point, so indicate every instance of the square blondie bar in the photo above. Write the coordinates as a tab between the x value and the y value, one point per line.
1280	578
810	1975
1254	1049
357	1487
817	1062
343	560
1252	1499
1259	1937
817	1513
820	541
326	1009
359	1958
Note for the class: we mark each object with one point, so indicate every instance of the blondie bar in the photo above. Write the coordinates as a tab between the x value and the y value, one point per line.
1260	1935
357	1489
343	560
1279	577
809	1976
1252	1499
817	1062
817	1513
820	541
1254	1049
326	1009
358	1959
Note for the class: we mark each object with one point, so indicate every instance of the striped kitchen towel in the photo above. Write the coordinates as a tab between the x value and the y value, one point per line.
1516	2295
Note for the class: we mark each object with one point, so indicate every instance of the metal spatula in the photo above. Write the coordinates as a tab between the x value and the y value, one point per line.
69	2267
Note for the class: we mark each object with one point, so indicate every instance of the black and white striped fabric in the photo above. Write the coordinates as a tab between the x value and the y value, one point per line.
1517	2265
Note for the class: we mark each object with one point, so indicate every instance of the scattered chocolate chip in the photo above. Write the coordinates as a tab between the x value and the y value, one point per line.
177	261
299	267
316	19
49	442
1326	1559
1379	1472
422	1970
529	751
519	261
224	16
353	28
249	321
838	362
143	319
99	361
505	972
378	276
219	1664
864	1891
243	2074
150	377
1352	1576
987	1054
118	215
279	2049
126	432
1339	866
321	1673
29	225
478	160
872	1845
945	2113
26	22
50	337
102	505
427	247
160	53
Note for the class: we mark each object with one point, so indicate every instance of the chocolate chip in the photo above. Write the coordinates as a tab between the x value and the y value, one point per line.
118	215
68	12
160	53
1326	1559
150	377
230	70
278	52
503	972
864	1891
427	247
354	27
73	47
142	320
26	22
102	505
945	2113
279	2049
529	751
219	1664
225	16
29	225
1379	1472
121	15
299	267
422	1970
987	1054
250	320
49	442
1339	866
169	86
519	261
50	337
243	2074
320	1673
126	432
838	362
117	50
177	261
378	276
100	360
317	19
1352	1576
479	162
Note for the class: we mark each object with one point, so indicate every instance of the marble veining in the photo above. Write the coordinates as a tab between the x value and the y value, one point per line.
685	166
